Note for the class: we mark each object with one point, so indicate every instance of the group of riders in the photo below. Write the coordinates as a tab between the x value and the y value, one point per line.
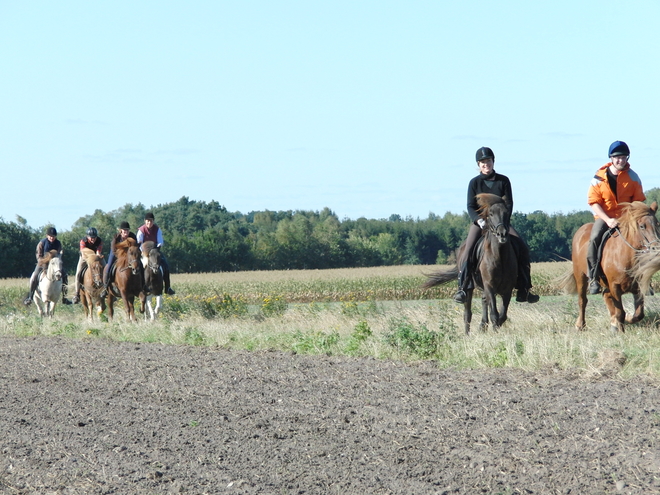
149	231
614	183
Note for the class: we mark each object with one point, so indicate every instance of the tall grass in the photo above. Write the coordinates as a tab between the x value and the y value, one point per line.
379	313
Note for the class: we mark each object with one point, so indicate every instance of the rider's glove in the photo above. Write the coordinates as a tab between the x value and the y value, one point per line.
481	222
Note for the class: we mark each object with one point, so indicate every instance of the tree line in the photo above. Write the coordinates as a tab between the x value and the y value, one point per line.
206	237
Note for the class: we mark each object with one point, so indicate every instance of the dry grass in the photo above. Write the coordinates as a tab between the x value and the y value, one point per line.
536	336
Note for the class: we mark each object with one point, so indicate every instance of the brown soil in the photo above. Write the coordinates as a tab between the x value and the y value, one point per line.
95	416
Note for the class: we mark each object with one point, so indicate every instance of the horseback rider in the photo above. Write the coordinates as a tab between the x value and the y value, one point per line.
614	183
90	241
123	234
49	243
489	181
152	232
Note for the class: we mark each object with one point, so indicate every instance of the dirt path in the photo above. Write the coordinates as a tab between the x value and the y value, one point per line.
100	417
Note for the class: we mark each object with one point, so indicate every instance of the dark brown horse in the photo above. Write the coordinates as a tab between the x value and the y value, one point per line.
496	268
127	282
153	278
92	284
630	258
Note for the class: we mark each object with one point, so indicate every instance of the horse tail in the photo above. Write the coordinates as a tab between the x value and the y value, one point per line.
642	271
440	277
567	282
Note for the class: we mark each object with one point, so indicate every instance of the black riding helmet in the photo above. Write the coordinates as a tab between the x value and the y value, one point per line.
92	232
485	153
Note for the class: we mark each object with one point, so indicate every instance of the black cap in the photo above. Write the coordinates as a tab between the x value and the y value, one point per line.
124	226
484	153
149	216
51	231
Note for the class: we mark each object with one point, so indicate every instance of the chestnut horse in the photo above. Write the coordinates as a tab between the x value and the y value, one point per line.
92	284
496	268
153	278
629	259
127	283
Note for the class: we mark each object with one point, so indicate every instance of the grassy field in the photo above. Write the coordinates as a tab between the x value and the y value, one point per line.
376	312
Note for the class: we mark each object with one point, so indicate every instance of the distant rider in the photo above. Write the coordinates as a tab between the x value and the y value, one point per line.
123	234
90	241
49	243
151	232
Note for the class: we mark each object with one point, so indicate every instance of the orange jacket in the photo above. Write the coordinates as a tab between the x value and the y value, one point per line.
628	189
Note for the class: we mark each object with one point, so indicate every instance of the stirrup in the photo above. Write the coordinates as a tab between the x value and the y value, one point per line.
594	286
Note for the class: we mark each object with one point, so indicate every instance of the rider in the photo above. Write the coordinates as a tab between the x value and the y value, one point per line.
489	181
151	232
614	183
91	241
44	246
123	234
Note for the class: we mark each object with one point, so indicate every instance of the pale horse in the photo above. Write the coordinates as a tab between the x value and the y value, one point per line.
49	290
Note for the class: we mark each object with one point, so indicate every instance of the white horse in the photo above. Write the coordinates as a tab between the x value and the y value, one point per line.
49	291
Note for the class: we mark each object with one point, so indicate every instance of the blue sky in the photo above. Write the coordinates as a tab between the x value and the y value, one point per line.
368	108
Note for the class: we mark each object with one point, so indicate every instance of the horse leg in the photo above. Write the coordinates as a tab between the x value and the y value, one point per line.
111	308
159	305
638	315
129	302
467	310
615	307
485	305
582	283
504	309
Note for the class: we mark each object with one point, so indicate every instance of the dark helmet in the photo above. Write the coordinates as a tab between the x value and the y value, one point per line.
51	231
485	153
124	226
619	148
92	232
149	216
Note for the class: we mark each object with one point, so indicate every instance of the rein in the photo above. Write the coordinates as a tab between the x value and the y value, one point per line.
647	246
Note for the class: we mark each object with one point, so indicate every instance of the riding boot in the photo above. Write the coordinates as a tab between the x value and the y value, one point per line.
64	299
28	299
34	281
460	295
524	284
166	283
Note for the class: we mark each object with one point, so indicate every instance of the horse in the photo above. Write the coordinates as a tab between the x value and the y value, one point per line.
153	278
127	282
92	284
49	290
496	268
629	259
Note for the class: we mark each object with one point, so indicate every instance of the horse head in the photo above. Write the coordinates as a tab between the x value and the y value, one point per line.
96	269
129	251
151	256
639	225
53	262
493	210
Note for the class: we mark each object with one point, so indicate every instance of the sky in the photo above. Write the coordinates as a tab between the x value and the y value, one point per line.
369	108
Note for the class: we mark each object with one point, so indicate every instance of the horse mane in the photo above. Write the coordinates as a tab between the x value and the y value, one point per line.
48	256
123	246
486	200
631	214
147	246
90	256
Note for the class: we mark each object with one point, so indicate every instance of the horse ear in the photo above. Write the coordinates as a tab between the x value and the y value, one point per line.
654	207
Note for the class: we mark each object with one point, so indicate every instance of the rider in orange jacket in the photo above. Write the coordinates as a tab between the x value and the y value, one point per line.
614	183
